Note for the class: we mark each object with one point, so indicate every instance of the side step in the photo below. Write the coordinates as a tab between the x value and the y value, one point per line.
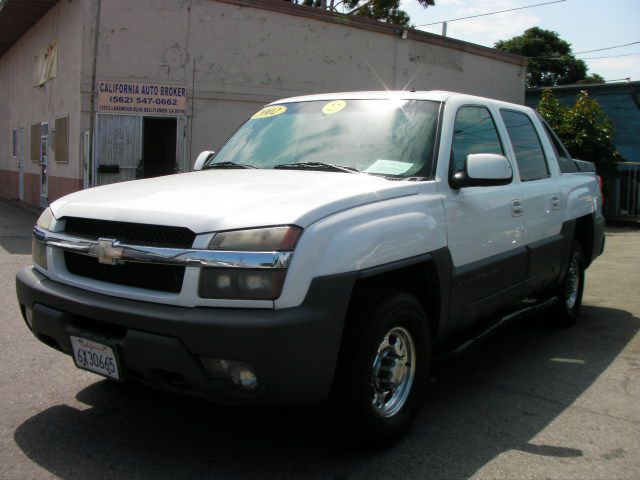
504	321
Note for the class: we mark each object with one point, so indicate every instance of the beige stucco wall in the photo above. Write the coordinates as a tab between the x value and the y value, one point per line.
231	59
22	104
236	59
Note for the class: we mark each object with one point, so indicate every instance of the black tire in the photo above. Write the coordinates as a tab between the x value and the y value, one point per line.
371	317
567	309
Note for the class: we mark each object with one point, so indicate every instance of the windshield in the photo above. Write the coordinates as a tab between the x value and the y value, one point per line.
393	138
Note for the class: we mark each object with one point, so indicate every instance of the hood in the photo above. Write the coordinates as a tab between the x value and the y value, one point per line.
213	200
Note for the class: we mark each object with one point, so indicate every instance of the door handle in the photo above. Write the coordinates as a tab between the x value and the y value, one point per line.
555	202
516	208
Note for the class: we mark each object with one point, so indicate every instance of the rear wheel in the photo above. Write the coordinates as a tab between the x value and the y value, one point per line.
383	368
570	291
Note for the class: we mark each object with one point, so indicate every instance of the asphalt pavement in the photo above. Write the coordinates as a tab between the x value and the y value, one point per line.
531	402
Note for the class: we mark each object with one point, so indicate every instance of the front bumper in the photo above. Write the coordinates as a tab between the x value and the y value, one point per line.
293	351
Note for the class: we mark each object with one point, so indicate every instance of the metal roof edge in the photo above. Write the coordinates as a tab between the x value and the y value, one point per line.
583	86
362	23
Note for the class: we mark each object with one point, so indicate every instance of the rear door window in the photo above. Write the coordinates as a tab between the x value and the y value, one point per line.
530	157
566	163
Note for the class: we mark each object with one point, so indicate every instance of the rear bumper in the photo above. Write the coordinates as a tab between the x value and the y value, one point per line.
292	351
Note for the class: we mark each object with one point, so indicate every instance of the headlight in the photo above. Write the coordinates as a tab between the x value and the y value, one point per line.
248	283
271	239
46	219
241	283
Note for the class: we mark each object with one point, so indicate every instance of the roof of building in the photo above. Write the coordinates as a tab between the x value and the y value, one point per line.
589	86
18	16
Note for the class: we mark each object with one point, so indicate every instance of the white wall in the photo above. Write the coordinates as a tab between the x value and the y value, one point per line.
236	59
232	59
22	104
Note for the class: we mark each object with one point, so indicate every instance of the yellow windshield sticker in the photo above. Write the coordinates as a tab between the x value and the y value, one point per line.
333	107
270	111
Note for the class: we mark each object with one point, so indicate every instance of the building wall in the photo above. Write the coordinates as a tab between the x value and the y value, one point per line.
234	59
22	104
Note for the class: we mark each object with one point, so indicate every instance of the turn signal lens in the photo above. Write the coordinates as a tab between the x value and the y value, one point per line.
39	253
271	239
45	219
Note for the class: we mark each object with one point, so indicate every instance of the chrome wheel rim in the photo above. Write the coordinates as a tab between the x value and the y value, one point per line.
572	284
394	369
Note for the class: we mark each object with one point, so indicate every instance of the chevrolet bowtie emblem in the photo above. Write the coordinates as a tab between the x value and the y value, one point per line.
107	251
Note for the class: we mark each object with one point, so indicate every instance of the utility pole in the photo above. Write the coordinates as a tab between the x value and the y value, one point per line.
444	29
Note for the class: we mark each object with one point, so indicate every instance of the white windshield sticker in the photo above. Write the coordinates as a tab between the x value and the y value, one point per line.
389	167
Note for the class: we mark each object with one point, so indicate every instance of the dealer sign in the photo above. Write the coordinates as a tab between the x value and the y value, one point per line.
141	98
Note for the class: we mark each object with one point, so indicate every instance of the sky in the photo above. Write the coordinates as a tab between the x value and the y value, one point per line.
585	24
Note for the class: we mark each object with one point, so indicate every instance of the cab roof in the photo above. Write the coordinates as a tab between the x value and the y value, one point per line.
433	95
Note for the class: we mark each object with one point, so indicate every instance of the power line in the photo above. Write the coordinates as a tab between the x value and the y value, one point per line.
491	13
568	57
607	48
611	56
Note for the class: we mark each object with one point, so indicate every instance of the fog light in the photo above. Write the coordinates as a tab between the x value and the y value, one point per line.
239	374
244	377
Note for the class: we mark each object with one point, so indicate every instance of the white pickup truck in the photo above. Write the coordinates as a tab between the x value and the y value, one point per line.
327	251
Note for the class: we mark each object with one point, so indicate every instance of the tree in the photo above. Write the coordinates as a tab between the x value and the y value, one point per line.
383	10
584	129
593	78
549	58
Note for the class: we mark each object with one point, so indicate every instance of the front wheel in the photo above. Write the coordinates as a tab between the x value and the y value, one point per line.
384	364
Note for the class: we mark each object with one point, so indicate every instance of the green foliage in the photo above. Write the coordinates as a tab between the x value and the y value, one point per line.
593	78
550	108
584	129
383	10
549	58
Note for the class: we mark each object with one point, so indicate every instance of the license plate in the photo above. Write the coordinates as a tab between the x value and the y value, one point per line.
95	357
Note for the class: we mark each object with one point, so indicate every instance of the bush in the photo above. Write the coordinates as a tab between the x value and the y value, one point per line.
584	129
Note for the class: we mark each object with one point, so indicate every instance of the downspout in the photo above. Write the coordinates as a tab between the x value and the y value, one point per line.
92	101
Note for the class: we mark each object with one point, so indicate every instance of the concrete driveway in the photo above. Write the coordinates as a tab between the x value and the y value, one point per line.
531	402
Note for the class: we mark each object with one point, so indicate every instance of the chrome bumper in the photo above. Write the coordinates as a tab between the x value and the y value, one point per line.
112	251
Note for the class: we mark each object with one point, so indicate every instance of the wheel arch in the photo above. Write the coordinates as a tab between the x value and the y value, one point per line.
424	276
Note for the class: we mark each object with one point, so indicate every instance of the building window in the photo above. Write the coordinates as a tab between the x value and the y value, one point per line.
14	148
526	145
62	139
34	138
46	64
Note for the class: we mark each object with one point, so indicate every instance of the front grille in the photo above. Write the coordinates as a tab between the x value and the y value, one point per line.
164	278
132	233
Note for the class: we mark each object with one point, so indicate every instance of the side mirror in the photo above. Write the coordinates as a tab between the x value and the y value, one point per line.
202	158
483	170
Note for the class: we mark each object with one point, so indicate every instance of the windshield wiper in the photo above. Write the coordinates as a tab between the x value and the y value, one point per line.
227	165
318	166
